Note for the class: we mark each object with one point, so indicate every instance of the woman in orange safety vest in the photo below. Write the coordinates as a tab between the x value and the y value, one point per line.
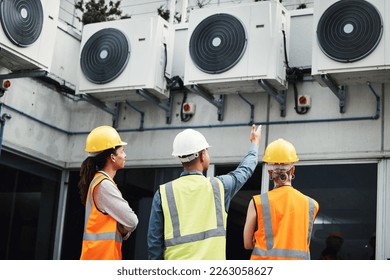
279	223
108	217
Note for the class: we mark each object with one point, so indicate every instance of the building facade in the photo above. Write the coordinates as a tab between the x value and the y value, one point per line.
340	129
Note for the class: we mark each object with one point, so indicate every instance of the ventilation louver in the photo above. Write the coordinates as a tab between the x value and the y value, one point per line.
218	43
105	56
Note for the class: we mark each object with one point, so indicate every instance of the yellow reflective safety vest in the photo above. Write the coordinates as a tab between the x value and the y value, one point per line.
194	218
285	219
101	239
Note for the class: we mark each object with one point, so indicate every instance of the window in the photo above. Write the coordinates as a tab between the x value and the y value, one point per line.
346	194
28	203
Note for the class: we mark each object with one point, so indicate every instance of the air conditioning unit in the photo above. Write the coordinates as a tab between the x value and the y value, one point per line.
352	41
119	58
231	47
27	34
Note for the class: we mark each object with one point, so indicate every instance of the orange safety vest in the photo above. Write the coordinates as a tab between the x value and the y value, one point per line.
101	240
285	219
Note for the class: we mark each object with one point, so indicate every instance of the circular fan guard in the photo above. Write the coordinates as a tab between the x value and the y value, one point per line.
22	21
105	55
349	30
217	43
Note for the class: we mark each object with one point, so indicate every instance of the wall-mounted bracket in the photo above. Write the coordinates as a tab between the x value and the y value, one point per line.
166	106
4	117
97	103
141	124
252	108
24	74
339	91
50	78
210	98
69	90
378	102
280	96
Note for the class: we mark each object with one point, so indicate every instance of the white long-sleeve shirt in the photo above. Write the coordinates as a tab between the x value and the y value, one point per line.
109	200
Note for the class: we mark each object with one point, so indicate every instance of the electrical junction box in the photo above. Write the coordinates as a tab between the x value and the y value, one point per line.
304	101
188	108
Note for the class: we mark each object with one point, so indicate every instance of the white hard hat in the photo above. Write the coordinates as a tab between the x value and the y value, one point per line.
189	142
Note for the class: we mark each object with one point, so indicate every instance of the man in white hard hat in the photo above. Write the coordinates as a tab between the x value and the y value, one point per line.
189	214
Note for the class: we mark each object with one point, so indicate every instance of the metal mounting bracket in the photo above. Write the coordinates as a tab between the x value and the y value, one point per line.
166	106
49	77
97	103
280	96
210	98
3	119
45	74
339	91
24	74
378	101
141	124
252	108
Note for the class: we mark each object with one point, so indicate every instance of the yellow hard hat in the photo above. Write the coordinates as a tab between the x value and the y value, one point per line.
280	151
103	138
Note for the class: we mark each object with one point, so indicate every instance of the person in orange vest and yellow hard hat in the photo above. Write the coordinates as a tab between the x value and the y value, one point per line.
279	223
108	217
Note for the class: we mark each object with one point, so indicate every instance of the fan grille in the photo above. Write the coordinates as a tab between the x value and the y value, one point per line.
217	43
349	30
22	21
105	55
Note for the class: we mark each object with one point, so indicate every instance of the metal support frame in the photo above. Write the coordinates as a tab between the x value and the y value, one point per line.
166	106
339	91
4	117
141	124
210	98
48	77
252	107
378	102
97	103
24	74
280	96
68	90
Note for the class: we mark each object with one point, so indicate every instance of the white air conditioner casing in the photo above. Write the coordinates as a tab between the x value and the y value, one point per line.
262	58
148	65
22	21
371	65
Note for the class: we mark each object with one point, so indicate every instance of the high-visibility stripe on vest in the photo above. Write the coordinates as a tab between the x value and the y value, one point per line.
101	239
194	218
285	219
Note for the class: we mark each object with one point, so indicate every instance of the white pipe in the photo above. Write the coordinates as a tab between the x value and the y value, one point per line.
184	14
172	11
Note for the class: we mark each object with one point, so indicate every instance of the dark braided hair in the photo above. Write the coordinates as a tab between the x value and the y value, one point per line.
89	167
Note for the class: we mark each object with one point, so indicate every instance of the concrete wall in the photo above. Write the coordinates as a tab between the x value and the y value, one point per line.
321	134
28	101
